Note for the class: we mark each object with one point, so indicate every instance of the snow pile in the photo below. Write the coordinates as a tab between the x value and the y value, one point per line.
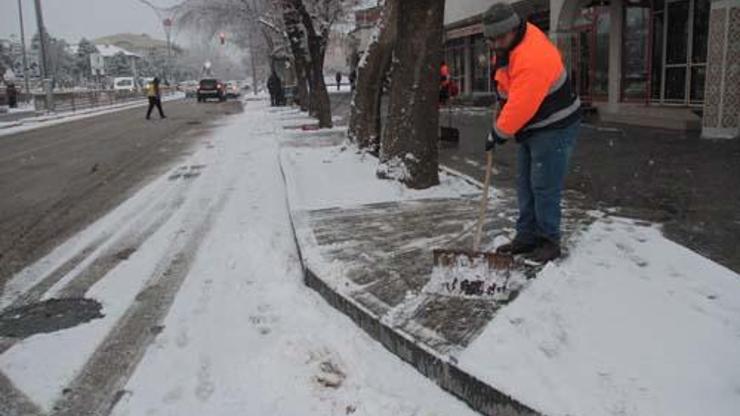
474	277
394	169
630	324
341	177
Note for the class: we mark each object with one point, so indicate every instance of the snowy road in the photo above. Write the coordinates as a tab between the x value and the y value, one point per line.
57	179
205	311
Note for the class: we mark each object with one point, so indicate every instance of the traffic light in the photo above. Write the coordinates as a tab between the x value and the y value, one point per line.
222	36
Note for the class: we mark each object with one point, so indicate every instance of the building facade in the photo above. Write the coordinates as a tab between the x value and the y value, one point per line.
661	63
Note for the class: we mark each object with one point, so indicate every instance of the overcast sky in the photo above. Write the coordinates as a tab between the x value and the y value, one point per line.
74	19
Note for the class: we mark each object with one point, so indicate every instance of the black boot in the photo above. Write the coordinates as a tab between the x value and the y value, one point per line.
546	251
517	247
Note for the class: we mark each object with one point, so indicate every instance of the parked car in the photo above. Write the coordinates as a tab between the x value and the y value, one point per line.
232	89
124	84
211	88
190	88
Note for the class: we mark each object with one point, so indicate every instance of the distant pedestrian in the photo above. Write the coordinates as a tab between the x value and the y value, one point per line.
274	87
339	80
12	94
155	98
444	83
352	79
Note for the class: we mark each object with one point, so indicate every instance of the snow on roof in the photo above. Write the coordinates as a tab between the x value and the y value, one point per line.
110	50
458	10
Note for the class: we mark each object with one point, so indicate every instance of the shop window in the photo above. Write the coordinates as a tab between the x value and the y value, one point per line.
698	76
589	53
455	58
601	50
634	51
680	36
656	74
481	65
675	83
701	32
678	30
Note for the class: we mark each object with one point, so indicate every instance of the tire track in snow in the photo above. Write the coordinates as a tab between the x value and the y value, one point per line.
36	291
97	387
14	402
117	253
105	262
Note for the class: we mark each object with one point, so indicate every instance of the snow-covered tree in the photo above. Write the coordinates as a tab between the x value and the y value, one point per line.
250	24
119	65
317	18
408	143
6	62
301	26
410	138
372	71
85	48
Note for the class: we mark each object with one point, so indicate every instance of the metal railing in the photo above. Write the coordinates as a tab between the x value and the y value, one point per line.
81	100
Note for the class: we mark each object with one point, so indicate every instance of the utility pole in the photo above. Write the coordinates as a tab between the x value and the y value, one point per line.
167	25
166	16
44	62
23	49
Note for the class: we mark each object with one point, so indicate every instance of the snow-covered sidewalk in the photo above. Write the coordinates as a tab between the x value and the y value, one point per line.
206	312
629	323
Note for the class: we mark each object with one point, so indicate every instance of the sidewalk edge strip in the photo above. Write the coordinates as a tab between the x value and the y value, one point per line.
480	396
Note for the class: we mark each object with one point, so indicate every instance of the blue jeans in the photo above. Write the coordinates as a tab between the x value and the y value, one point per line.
542	163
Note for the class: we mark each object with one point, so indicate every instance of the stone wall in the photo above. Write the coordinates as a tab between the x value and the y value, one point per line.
722	92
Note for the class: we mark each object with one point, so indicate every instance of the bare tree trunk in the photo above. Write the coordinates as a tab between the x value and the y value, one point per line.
365	116
319	95
302	81
252	62
295	38
319	106
313	110
409	150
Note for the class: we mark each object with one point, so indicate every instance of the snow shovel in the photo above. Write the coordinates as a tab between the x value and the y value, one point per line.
474	272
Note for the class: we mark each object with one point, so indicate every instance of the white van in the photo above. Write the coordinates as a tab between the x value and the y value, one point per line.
124	84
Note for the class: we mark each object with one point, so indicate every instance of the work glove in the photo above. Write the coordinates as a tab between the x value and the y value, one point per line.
494	140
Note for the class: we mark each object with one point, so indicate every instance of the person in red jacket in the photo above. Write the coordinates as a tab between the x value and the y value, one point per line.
444	83
539	109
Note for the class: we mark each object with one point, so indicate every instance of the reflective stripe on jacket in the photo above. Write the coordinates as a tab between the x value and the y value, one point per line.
533	87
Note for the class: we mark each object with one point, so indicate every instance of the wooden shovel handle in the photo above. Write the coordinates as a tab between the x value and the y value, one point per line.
483	202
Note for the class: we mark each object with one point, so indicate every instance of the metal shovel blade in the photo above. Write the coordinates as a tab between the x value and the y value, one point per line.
472	273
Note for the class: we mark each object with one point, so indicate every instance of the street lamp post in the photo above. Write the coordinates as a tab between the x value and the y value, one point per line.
23	48
44	63
167	25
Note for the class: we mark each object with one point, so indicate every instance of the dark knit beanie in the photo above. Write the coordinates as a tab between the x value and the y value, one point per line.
500	19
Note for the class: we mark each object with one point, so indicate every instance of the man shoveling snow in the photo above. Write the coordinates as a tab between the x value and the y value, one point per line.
539	109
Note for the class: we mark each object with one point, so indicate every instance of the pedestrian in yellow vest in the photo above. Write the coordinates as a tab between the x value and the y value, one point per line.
155	98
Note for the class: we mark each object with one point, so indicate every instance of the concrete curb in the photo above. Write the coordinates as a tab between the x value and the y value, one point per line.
10	125
480	396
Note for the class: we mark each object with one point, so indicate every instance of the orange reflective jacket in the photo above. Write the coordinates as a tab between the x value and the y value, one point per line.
533	87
